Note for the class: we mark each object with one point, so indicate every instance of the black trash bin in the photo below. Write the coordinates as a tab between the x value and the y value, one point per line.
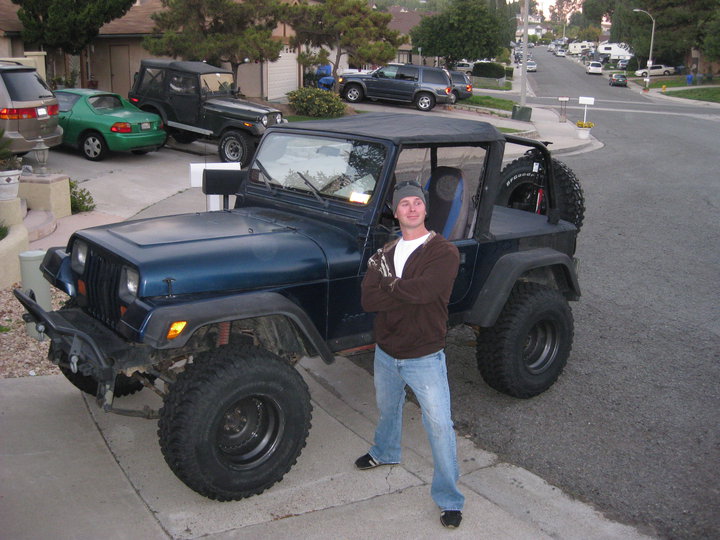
521	113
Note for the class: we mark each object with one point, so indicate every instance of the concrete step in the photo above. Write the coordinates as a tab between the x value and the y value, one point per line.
39	223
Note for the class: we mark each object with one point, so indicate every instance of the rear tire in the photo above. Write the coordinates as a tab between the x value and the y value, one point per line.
424	102
521	186
234	422
527	349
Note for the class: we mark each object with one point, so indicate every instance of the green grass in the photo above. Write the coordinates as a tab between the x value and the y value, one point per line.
701	94
506	86
489	102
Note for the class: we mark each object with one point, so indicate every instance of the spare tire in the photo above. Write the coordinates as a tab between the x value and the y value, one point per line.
523	188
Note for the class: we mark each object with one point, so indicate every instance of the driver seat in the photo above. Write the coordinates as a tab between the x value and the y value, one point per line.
448	203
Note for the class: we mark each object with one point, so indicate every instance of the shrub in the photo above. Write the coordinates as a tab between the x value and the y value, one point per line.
80	199
490	70
508	72
3	230
316	102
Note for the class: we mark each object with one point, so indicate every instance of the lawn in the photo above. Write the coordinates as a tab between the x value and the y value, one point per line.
700	93
489	102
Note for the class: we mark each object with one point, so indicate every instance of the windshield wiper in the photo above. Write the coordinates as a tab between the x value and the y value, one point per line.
265	177
315	191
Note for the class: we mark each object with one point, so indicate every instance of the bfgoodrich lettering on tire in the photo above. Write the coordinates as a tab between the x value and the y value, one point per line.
527	349
234	422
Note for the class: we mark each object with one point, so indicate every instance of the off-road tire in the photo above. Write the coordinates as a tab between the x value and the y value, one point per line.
93	146
424	102
234	422
527	349
234	147
520	185
124	385
354	93
183	137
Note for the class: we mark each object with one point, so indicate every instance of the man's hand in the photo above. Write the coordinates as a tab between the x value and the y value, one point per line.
378	263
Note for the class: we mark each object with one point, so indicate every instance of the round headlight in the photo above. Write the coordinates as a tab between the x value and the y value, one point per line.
278	118
129	283
264	120
79	257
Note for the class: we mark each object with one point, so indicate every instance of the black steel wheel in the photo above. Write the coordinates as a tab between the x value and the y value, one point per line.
523	188
234	147
527	349
234	422
93	146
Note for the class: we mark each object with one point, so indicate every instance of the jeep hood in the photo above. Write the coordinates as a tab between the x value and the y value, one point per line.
246	249
238	107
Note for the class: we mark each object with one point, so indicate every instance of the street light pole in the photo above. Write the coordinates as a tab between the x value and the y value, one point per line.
652	38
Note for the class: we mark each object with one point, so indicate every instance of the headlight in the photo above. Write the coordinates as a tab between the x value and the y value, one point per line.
264	120
129	283
79	257
278	118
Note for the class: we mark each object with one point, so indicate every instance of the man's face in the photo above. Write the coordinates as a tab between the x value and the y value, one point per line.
411	212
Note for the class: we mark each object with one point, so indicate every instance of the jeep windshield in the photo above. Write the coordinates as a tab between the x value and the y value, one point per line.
216	83
323	167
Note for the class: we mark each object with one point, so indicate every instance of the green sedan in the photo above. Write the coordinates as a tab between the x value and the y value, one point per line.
97	122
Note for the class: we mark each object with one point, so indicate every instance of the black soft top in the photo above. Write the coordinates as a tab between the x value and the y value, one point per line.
181	65
405	129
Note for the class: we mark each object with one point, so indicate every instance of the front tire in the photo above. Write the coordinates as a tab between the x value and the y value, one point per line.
527	349
354	93
93	146
424	102
234	147
234	422
522	188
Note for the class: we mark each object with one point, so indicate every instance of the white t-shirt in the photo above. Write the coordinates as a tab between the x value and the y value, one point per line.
403	250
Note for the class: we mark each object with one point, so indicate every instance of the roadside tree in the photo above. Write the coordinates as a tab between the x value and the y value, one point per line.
334	28
217	31
467	29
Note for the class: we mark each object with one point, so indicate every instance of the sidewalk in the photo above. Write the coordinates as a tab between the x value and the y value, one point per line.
71	471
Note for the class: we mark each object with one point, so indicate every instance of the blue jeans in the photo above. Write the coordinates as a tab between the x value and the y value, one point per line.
427	376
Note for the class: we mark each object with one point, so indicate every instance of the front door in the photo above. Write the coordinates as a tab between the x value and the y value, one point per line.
184	96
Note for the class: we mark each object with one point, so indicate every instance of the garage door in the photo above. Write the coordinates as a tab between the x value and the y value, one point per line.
283	74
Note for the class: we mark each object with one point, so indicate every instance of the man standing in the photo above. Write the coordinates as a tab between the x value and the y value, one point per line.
408	284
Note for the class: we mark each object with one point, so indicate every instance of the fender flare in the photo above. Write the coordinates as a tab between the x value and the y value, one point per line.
200	313
506	272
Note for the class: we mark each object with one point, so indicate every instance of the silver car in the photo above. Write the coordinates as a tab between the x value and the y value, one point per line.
29	111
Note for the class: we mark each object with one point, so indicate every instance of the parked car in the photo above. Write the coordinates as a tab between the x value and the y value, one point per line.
622	64
28	108
97	122
531	65
461	85
560	52
594	68
465	67
618	79
422	85
655	69
195	99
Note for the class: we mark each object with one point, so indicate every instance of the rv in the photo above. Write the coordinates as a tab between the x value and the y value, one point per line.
615	51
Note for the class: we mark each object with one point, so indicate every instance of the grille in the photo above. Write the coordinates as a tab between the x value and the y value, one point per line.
102	277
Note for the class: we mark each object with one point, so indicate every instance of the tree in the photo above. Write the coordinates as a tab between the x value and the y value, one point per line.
711	43
467	29
343	27
217	31
68	25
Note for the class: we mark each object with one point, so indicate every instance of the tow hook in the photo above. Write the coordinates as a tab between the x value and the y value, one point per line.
73	363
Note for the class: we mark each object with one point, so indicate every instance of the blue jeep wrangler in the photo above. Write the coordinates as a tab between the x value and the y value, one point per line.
212	310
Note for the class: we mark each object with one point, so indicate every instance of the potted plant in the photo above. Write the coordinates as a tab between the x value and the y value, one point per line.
584	129
10	169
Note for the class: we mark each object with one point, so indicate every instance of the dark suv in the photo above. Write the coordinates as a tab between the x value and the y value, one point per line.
424	86
28	108
197	100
